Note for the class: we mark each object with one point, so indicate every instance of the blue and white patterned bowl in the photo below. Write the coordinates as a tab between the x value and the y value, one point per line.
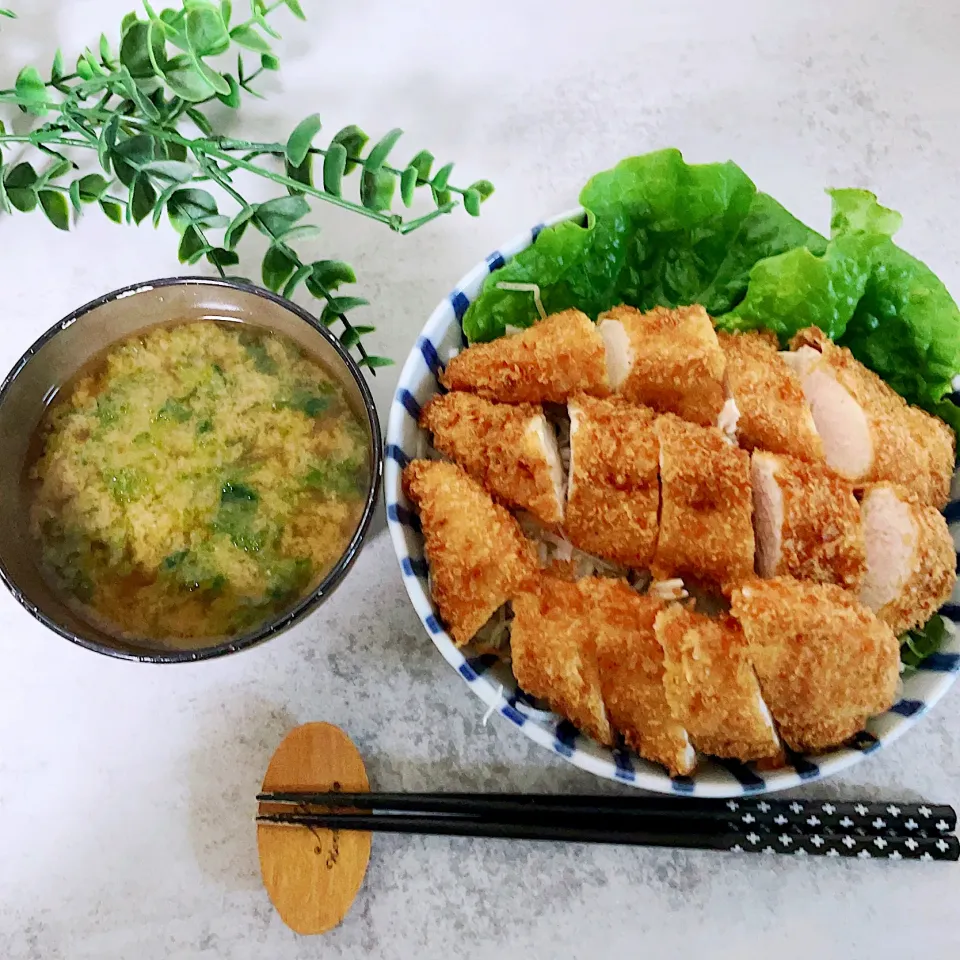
494	684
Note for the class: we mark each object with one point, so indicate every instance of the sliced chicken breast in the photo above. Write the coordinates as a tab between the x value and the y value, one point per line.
806	521
911	561
773	412
613	493
631	676
825	663
554	651
869	432
478	556
669	360
561	355
711	687
706	509
511	450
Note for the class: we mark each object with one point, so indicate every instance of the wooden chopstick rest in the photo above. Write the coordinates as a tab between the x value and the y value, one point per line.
313	875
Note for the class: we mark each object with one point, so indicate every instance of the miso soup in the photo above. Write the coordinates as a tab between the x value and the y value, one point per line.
196	480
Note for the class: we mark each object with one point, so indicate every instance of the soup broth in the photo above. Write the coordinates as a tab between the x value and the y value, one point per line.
195	481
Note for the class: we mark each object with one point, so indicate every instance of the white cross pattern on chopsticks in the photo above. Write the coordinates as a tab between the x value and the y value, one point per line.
763	806
733	805
786	839
878	823
780	820
879	843
943	826
895	855
926	856
924	811
910	843
942	846
817	840
893	810
736	848
828	809
861	809
848	842
800	852
796	807
813	821
833	853
846	822
753	837
749	818
911	824
864	854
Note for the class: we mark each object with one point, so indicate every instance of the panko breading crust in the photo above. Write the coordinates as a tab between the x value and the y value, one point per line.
631	675
821	535
933	572
554	652
825	662
478	556
497	444
774	414
613	492
678	365
706	507
910	446
548	362
711	687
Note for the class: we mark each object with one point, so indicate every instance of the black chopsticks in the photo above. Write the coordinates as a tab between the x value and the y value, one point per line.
895	831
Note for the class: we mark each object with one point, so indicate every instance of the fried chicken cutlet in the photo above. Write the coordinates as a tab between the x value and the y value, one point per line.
911	561
706	506
667	359
711	687
613	494
806	521
553	648
773	412
561	355
478	556
631	675
825	663
511	450
869	432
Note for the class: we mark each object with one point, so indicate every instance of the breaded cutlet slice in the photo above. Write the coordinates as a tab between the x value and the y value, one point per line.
711	687
478	556
773	413
705	506
825	663
561	355
554	653
667	359
613	493
806	522
911	561
870	434
511	450
631	675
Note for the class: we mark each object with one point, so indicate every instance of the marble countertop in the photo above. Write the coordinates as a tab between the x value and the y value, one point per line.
126	790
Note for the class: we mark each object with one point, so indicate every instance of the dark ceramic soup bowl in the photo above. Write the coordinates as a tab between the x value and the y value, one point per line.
64	350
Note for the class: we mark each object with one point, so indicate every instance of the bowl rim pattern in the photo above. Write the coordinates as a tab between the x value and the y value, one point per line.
417	382
329	583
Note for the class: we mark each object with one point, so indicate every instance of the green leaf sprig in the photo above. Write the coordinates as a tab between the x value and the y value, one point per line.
141	111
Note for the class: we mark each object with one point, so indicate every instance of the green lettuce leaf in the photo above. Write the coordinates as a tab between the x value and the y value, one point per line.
800	288
767	231
657	231
906	328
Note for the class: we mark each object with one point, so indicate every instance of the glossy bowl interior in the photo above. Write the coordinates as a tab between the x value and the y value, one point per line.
493	682
60	354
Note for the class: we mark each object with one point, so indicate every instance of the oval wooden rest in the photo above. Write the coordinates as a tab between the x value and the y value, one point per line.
313	875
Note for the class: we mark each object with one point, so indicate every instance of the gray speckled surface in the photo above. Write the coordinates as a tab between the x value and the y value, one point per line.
126	791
